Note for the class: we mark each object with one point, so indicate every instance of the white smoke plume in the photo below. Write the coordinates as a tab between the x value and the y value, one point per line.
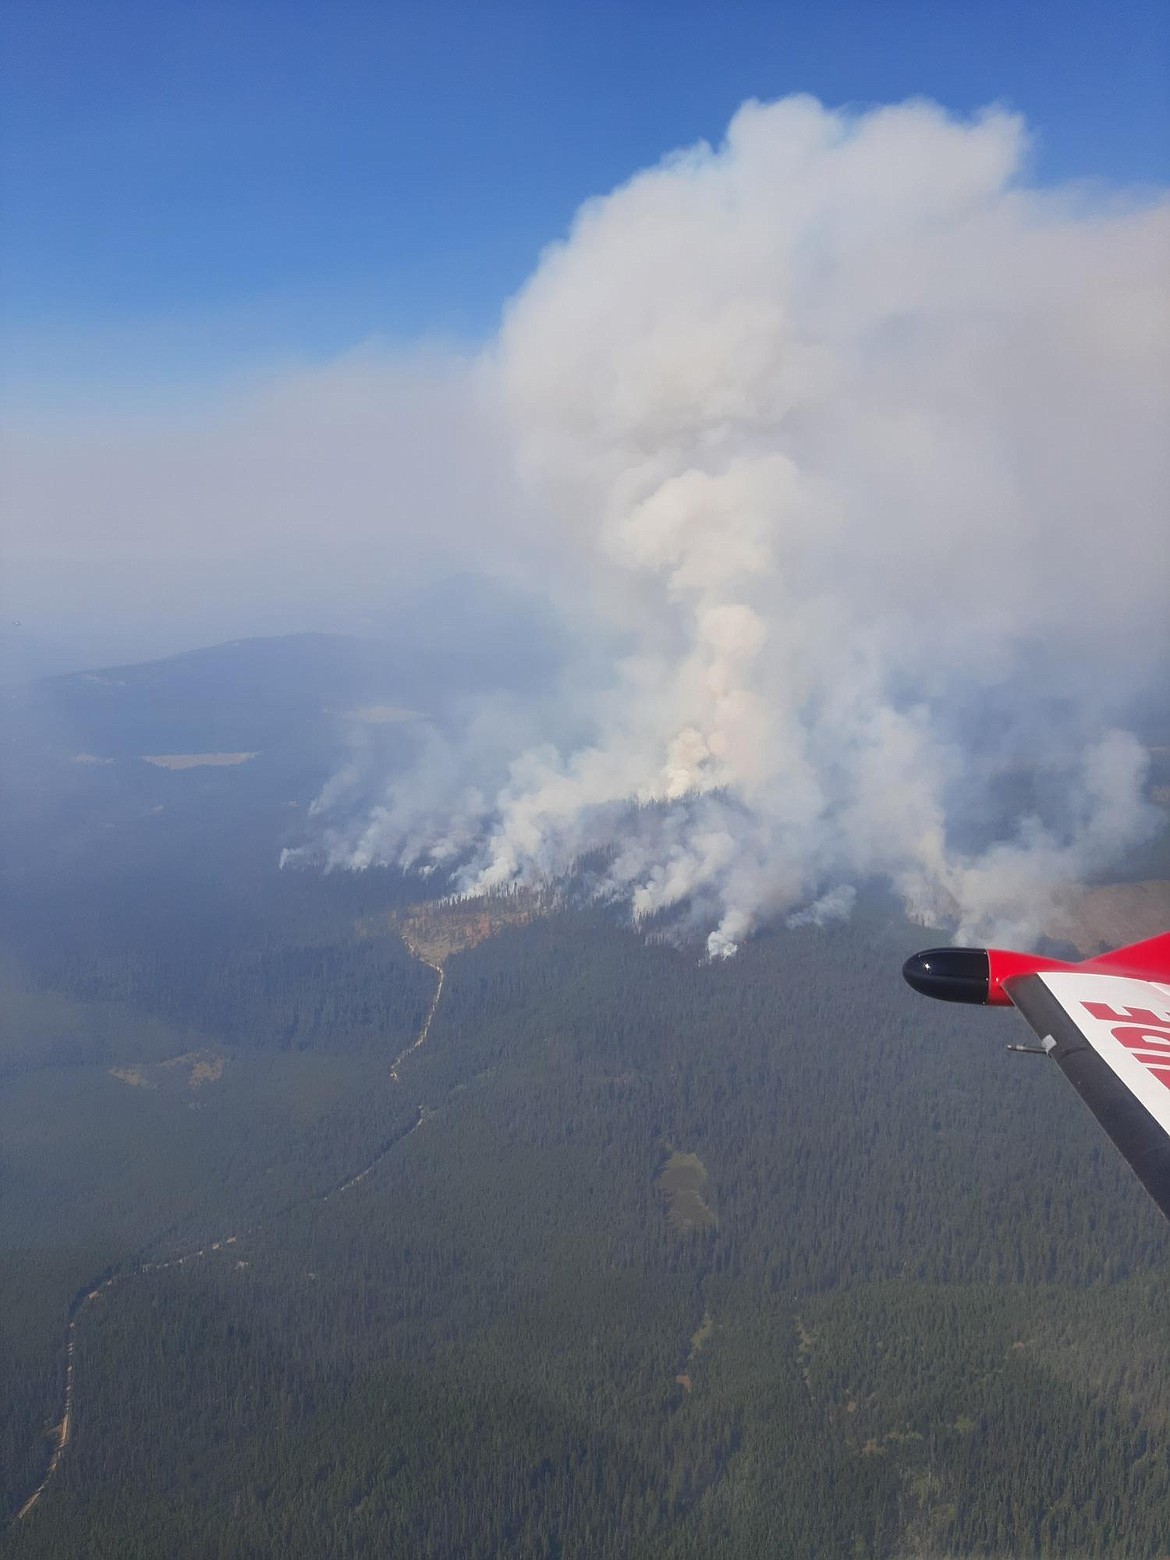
845	432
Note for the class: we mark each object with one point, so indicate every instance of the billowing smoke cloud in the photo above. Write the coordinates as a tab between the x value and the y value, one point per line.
857	445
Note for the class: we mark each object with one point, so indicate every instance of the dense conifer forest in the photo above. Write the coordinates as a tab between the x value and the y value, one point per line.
636	1255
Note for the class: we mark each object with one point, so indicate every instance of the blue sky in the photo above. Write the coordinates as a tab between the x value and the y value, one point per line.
200	190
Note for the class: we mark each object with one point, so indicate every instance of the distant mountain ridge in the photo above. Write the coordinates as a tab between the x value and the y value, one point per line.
239	696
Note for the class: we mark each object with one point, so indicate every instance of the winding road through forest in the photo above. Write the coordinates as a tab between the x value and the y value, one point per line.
107	1280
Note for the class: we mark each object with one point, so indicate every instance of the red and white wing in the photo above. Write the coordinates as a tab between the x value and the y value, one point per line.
1110	1035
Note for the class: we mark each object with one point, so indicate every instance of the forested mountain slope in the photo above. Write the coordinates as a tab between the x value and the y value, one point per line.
926	1314
634	1255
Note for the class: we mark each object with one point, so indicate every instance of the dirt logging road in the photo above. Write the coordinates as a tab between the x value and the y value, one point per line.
64	1427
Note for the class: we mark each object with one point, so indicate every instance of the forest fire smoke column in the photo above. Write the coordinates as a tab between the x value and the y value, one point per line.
820	426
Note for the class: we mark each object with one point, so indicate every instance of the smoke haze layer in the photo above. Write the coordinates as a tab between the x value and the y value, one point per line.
855	444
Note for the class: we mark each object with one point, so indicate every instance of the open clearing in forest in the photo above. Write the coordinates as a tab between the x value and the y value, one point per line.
1111	916
189	1071
433	932
682	1181
196	760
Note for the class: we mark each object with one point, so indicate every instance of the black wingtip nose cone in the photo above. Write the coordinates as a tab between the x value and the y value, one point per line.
950	974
